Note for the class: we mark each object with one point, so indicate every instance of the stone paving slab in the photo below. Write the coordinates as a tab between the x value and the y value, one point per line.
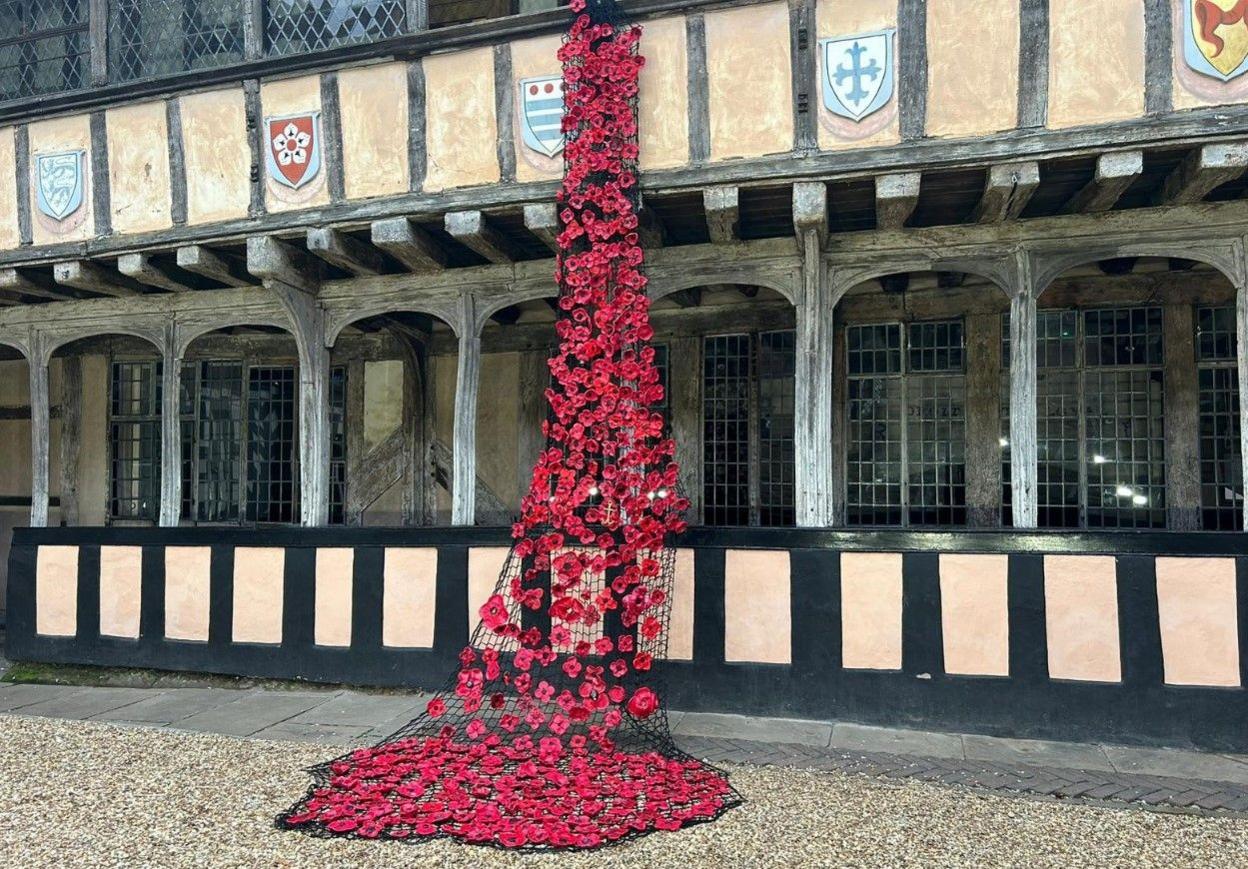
1161	761
861	737
14	697
167	707
1036	751
253	712
366	710
744	727
343	735
84	702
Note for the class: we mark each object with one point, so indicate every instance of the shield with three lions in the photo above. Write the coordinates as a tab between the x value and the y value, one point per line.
1215	37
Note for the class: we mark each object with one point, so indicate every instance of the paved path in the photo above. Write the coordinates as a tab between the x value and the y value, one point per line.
1105	774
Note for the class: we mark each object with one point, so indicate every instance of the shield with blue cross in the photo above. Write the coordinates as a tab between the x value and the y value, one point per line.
858	73
59	183
541	114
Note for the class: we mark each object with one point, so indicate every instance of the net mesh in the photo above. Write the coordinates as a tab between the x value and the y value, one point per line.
553	733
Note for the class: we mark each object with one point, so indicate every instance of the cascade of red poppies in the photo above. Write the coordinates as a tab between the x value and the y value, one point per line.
553	732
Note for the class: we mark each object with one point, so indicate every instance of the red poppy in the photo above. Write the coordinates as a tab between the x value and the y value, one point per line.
643	703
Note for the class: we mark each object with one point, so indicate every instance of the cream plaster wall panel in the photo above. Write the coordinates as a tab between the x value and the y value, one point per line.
461	128
1197	607
839	18
1192	88
663	95
974	614
497	435
383	400
294	96
972	67
187	572
1081	617
372	102
56	136
258	584
9	235
93	445
532	58
217	155
871	610
680	619
334	582
387	510
121	590
138	167
56	591
1096	62
750	81
757	619
410	596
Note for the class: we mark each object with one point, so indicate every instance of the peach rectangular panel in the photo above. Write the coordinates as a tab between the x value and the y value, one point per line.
332	621
138	167
217	155
1198	610
187	582
975	614
56	591
1081	617
971	89
749	81
758	622
485	564
680	621
461	126
871	610
1096	61
840	21
258	585
663	95
409	597
9	236
66	212
304	183
121	590
372	102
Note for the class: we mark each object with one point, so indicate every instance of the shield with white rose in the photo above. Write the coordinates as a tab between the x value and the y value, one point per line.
293	154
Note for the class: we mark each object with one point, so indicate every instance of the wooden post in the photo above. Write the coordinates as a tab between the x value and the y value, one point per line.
40	432
1241	364
983	420
1024	451
684	400
71	436
1182	419
170	432
464	447
813	371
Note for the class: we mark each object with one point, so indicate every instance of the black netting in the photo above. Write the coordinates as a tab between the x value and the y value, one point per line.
553	733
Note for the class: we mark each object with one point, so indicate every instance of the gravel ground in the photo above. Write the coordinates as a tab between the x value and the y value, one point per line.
79	794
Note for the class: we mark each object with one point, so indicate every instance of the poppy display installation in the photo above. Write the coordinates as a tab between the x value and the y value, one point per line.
553	733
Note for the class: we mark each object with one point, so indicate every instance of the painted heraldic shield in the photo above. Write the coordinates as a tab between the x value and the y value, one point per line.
858	73
59	183
541	114
1215	37
293	154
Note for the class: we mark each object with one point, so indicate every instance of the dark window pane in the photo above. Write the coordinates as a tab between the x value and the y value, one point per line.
725	413
159	37
45	47
294	26
272	485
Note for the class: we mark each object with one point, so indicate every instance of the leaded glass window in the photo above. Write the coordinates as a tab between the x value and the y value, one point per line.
295	26
272	479
747	429
337	445
1221	462
134	440
219	445
158	37
906	424
43	47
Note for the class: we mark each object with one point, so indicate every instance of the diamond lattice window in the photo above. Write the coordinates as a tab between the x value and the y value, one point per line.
43	47
294	26
158	37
